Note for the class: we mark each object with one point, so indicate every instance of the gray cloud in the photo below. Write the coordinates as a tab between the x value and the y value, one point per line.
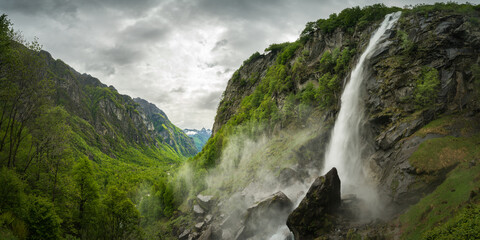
144	32
177	54
53	7
122	55
177	90
209	101
220	44
100	67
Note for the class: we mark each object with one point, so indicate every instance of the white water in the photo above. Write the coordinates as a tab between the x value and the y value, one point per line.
347	147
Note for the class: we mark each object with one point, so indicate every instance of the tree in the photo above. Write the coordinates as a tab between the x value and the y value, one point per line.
427	87
43	222
121	218
328	90
25	90
86	197
11	191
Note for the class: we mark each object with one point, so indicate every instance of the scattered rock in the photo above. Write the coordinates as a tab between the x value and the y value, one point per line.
207	234
208	218
322	198
184	234
199	225
262	219
204	201
198	210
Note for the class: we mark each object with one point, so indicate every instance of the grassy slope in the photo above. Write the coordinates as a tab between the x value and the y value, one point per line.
456	192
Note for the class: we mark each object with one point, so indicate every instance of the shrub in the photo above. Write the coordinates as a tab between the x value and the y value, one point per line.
427	87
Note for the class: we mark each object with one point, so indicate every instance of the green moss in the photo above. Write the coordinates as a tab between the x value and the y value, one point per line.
441	153
438	126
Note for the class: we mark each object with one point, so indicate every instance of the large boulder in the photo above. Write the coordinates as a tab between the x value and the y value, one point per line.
263	219
311	217
205	201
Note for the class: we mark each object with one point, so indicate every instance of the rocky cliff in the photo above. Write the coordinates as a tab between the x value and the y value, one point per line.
118	120
422	106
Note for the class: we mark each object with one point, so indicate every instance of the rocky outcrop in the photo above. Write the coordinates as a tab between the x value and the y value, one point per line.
311	217
262	219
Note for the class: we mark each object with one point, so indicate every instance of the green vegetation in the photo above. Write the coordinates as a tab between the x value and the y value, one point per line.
443	203
62	177
432	217
348	20
476	82
427	87
463	226
444	8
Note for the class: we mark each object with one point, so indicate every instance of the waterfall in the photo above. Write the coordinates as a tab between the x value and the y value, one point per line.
347	146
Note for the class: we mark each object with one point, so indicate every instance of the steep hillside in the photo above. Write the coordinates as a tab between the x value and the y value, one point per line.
78	159
117	118
422	109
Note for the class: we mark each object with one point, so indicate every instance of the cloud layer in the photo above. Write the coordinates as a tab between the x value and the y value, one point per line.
178	54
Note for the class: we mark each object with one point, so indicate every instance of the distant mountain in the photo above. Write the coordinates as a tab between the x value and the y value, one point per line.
200	137
170	134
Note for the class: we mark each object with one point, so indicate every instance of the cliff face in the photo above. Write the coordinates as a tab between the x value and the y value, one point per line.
448	43
118	120
419	138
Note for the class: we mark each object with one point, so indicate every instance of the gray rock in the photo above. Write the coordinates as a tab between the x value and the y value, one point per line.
322	198
208	218
199	225
207	234
262	220
289	176
184	234
205	201
198	210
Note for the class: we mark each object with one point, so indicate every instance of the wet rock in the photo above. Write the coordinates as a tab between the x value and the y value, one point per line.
387	139
199	225
289	176
208	218
198	210
205	201
193	235
262	219
184	234
207	234
322	198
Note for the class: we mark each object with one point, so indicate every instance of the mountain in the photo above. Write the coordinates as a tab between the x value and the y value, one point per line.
200	137
112	114
78	159
416	131
168	133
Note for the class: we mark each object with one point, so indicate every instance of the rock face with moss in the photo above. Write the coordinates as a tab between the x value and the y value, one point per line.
438	48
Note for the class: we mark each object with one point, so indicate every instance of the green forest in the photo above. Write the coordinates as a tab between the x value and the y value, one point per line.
59	178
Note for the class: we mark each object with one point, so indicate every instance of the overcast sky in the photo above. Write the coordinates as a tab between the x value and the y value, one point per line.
177	54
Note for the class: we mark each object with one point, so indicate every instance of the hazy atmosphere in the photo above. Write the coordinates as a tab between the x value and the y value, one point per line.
177	54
